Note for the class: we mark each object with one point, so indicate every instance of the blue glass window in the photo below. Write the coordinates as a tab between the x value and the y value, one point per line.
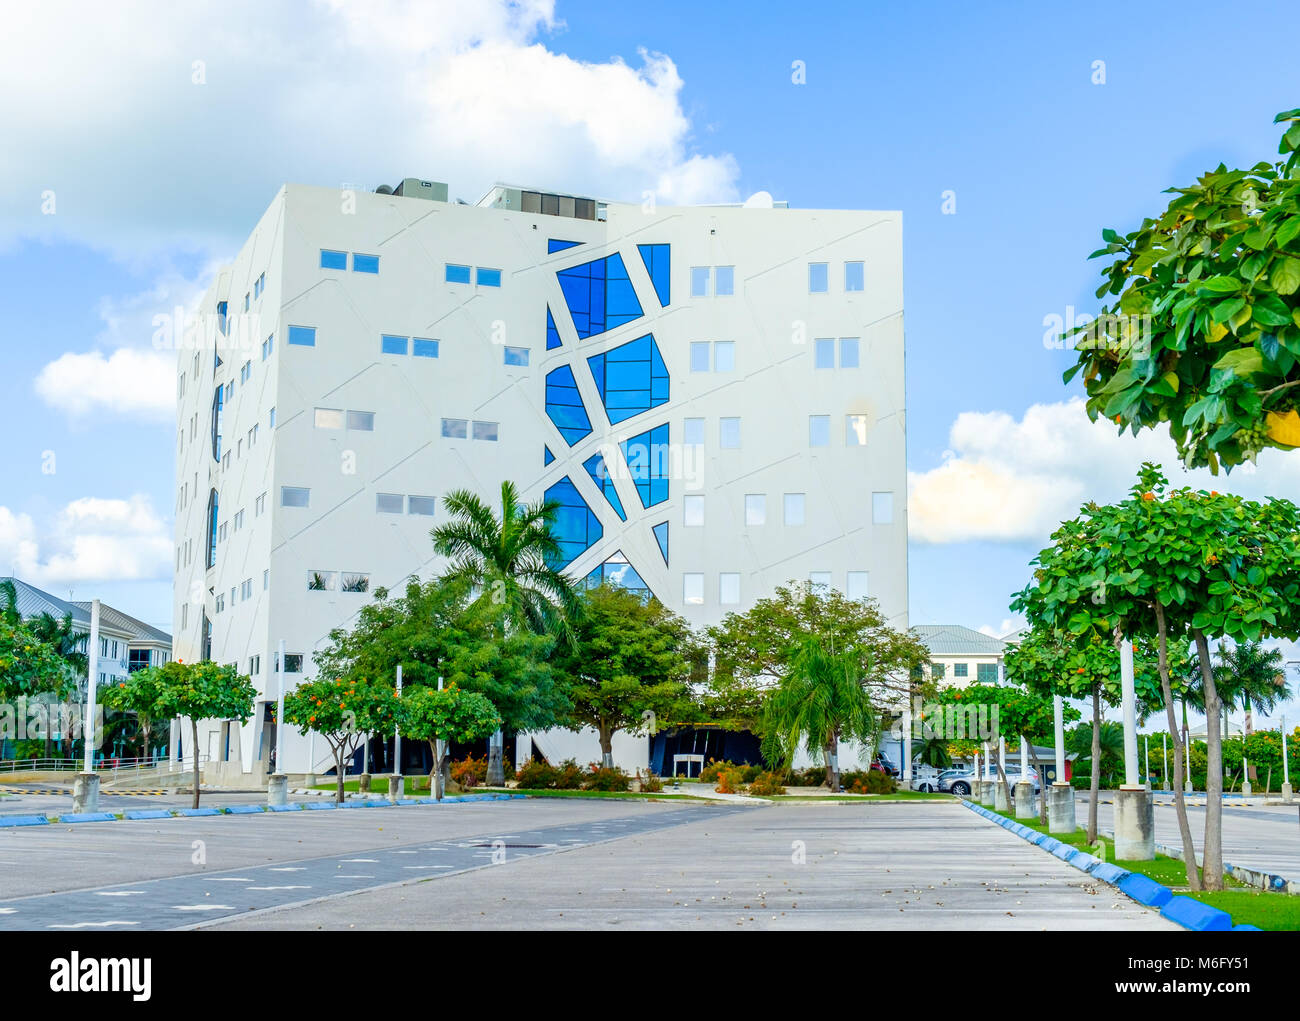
599	295
817	278
552	334
391	345
661	537
617	571
330	259
657	259
516	356
649	462
576	528
599	473
422	347
221	320
547	456
302	336
854	276
365	263
554	245
631	378
724	280
487	277
564	405
457	274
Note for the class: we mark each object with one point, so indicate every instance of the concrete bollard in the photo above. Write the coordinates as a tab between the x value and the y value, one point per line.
396	788
1060	809
85	793
363	783
277	789
1025	800
1001	797
974	790
986	793
1246	789
1135	831
1288	795
1187	786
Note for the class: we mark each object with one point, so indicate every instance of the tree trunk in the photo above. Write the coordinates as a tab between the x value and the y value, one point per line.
1212	869
435	774
826	754
1184	827
606	747
194	751
1248	728
1094	784
339	758
833	761
1042	787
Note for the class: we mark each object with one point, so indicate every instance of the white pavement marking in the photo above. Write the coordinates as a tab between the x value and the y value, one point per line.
203	907
8	911
227	879
355	861
89	925
355	877
285	868
279	888
119	893
428	866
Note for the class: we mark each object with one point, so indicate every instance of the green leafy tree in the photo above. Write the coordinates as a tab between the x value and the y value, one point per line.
139	693
441	715
343	712
28	665
627	667
821	700
512	560
1204	329
1250	676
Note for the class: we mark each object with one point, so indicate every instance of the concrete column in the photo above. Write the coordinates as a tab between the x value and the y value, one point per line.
1288	796
986	794
1060	809
363	783
974	790
85	793
277	789
396	788
1001	797
1135	832
1025	800
1246	789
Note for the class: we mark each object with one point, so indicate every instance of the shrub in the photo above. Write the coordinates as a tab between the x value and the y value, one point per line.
813	776
730	780
850	778
606	779
750	773
874	782
569	777
709	774
766	785
469	771
1081	783
650	783
535	775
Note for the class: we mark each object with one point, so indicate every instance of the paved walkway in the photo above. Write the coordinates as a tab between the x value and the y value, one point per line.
557	864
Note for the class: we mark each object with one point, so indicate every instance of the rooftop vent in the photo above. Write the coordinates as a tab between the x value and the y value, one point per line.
414	188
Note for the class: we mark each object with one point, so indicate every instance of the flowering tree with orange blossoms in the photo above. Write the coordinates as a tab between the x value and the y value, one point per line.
342	712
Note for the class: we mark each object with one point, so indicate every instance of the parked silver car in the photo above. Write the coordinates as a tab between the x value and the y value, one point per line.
960	781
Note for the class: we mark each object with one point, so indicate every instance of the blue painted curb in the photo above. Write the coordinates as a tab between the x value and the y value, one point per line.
1246	928
244	809
354	804
1065	852
1050	845
23	820
320	806
411	801
149	813
1038	838
1146	891
88	817
197	812
292	806
1108	873
1084	862
1192	914
379	804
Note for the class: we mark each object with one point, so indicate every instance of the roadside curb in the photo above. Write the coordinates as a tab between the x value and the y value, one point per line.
1190	914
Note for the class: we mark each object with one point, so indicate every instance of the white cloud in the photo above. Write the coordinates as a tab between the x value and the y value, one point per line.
1014	480
90	539
332	92
128	382
1008	626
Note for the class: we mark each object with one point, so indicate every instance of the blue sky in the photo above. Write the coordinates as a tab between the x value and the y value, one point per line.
157	178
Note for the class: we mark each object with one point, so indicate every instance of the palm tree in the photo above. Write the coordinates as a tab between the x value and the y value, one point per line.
820	701
511	561
1249	676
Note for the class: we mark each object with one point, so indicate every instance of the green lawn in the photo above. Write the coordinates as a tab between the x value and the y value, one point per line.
1246	905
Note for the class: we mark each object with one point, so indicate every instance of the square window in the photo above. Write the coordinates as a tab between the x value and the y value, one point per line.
960	670
294	496
389	503
819	579
729	433
330	259
856	587
693	589
755	509
817	278
854	276
422	505
362	421
724	356
882	508
693	432
302	336
700	356
487	277
693	510
986	673
855	430
699	281
365	263
724	280
424	348
848	352
824	353
819	430
516	356
457	274
455	428
393	345
329	418
486	431
793	508
728	589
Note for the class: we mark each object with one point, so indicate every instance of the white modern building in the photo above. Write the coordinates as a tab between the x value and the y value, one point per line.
713	394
